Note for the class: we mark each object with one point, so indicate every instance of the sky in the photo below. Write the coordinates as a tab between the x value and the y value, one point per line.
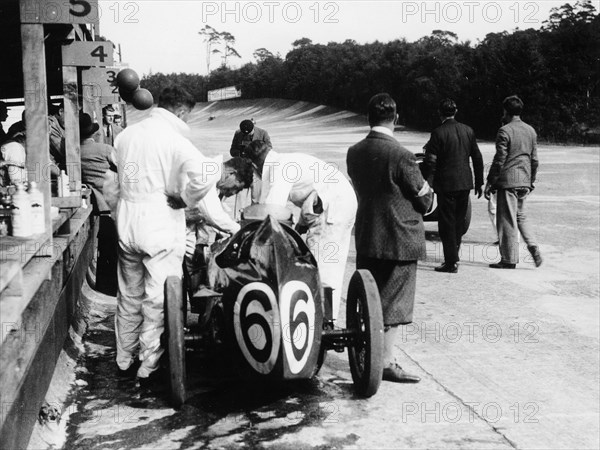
163	35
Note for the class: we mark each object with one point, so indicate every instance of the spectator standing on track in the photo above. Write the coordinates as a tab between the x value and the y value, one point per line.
447	160
389	231
512	177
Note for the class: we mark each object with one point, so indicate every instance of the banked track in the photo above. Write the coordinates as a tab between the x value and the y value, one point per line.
292	125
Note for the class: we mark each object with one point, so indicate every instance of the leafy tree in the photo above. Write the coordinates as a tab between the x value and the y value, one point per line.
301	42
228	46
212	38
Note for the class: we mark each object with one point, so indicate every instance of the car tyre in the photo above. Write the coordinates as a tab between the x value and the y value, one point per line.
364	319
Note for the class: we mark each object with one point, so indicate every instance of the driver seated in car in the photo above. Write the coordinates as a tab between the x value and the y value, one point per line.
326	200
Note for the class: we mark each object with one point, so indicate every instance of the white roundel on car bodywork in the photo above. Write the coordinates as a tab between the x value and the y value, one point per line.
256	325
297	311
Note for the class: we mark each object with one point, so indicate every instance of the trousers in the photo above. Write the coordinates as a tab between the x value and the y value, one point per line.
510	220
452	212
329	238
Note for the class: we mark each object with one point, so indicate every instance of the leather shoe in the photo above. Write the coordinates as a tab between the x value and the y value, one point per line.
447	268
130	372
396	374
503	265
535	253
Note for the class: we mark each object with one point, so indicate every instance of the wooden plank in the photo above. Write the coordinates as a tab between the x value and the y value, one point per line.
20	410
88	100
36	111
74	201
21	335
8	270
72	149
27	358
49	12
37	269
22	249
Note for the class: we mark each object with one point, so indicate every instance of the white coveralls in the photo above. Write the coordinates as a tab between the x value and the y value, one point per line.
208	211
154	158
295	177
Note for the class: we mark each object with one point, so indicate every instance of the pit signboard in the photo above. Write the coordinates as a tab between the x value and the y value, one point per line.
88	54
59	11
102	84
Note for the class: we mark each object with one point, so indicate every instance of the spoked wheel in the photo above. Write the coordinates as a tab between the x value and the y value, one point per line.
174	329
365	319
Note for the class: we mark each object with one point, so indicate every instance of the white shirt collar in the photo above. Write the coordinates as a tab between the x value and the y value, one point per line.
178	125
383	130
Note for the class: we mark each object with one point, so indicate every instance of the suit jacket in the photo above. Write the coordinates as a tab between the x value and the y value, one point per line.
111	131
241	140
447	158
387	180
96	160
57	142
515	162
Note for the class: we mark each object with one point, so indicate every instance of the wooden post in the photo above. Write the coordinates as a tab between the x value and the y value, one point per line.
88	96
72	149
36	113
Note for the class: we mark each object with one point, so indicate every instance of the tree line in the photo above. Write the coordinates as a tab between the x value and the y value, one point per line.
555	70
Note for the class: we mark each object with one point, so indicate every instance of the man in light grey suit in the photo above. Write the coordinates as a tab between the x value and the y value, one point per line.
512	175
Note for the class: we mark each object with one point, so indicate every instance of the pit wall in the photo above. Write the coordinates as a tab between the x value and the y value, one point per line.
39	302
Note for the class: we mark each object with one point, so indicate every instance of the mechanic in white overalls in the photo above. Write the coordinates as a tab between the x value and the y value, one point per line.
160	172
327	201
210	215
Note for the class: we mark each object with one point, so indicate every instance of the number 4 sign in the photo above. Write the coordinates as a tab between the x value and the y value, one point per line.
88	54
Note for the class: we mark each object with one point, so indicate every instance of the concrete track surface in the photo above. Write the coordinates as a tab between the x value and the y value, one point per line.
508	359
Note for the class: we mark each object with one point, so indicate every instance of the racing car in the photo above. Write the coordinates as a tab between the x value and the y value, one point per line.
261	298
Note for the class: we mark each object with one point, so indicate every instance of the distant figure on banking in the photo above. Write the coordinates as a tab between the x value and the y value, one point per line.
246	134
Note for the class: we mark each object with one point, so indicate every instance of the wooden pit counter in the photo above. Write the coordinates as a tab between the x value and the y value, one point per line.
40	287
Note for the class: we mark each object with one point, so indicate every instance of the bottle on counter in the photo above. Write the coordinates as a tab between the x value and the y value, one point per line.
3	227
21	213
64	189
5	214
36	199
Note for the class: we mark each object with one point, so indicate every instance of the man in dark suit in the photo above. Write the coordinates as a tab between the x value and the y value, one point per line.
512	175
390	236
111	129
447	160
246	134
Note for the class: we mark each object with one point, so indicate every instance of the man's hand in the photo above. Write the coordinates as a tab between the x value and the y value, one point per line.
479	191
488	191
175	201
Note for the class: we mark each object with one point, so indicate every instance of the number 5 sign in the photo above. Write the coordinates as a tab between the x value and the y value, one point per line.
59	11
88	54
